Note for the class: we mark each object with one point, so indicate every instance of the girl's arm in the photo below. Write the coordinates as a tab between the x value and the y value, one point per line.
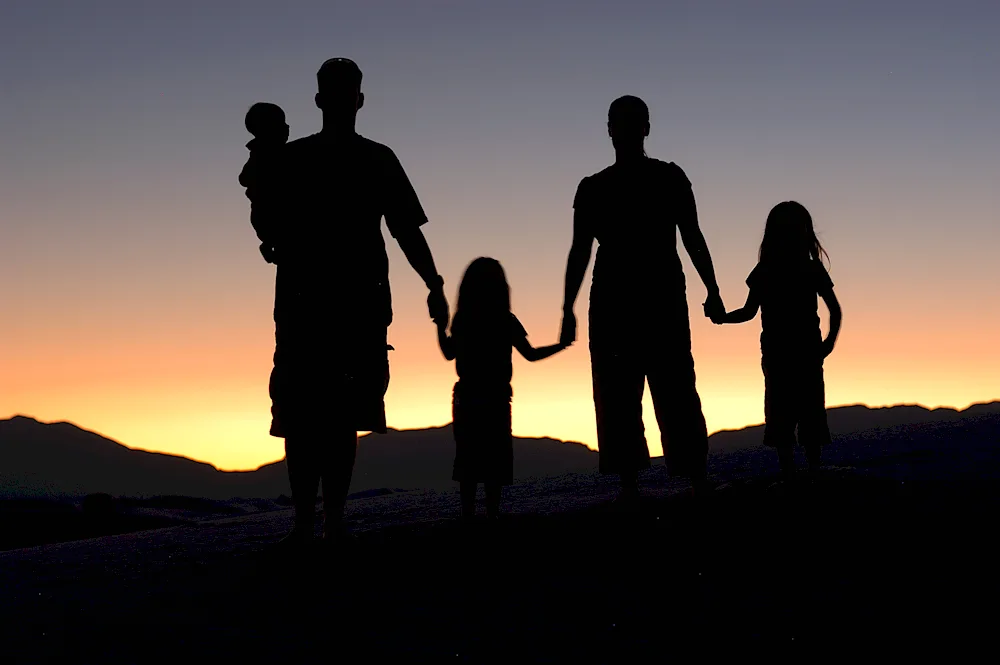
531	354
446	342
830	298
743	314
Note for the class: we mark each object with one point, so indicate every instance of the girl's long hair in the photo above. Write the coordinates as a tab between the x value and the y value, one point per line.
483	296
789	235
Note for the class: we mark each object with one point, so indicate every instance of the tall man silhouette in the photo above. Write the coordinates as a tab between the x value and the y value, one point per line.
332	300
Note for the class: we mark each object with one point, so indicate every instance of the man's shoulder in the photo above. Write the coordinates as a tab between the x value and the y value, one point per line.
375	150
669	169
303	144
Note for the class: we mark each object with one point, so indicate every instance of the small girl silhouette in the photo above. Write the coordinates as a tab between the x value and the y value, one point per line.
483	331
784	286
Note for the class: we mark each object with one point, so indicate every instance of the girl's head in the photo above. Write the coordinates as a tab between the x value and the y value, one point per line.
484	290
789	235
628	123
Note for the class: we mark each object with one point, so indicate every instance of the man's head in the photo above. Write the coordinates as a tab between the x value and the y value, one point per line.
266	122
628	122
339	95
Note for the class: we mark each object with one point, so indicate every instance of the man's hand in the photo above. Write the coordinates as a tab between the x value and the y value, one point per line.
714	308
267	252
437	305
567	331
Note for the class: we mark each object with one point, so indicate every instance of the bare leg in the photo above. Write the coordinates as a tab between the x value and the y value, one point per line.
303	477
630	485
337	467
494	491
786	459
468	491
813	457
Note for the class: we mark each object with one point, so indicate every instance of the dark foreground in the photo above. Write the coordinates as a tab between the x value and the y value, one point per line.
854	564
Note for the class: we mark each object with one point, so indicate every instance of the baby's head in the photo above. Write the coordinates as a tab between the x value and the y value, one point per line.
267	123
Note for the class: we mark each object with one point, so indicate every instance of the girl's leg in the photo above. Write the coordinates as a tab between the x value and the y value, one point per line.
468	492
493	494
813	456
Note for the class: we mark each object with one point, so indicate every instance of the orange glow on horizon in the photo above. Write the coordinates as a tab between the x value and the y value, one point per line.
205	396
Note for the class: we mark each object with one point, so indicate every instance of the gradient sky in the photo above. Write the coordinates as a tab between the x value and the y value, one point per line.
135	302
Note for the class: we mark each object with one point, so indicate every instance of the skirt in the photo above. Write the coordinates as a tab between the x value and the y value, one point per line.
484	446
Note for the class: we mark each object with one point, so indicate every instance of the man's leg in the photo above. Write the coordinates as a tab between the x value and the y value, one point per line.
672	386
303	477
618	388
337	459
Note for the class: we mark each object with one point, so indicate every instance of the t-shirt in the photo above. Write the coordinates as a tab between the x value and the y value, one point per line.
483	351
634	212
335	192
789	306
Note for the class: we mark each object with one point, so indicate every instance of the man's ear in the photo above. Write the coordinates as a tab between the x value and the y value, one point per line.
609	131
645	130
317	100
361	100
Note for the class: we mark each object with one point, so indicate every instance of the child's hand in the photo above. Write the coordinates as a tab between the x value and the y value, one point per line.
267	253
826	349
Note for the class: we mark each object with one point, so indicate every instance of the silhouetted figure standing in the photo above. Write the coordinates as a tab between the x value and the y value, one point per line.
333	303
784	286
266	122
482	334
639	327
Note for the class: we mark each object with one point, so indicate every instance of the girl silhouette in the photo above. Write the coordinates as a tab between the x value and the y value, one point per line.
483	332
784	285
639	327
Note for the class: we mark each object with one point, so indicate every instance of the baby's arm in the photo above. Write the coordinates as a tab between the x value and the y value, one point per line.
836	315
743	314
446	342
531	354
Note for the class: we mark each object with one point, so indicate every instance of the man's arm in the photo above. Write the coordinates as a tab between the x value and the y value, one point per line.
418	253
697	249
404	217
576	267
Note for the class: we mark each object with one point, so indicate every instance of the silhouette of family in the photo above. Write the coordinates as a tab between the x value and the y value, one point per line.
317	205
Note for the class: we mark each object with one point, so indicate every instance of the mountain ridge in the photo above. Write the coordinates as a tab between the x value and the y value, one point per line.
61	458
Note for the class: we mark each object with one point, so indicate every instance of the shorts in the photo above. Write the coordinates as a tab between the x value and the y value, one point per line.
340	379
794	399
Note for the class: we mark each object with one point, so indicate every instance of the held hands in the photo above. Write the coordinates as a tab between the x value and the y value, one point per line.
827	348
715	309
268	253
567	331
437	305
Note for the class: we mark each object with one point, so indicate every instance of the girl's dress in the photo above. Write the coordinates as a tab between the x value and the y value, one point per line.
481	404
791	351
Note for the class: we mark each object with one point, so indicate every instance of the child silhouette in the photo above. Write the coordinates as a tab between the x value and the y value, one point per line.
784	285
266	122
483	331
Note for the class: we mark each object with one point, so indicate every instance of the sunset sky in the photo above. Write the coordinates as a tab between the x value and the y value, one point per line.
135	302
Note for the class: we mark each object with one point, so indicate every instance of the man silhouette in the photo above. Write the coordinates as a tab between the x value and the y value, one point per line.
332	299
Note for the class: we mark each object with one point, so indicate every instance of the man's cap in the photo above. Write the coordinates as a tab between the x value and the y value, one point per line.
337	71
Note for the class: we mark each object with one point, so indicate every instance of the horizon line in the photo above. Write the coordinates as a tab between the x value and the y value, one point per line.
362	435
